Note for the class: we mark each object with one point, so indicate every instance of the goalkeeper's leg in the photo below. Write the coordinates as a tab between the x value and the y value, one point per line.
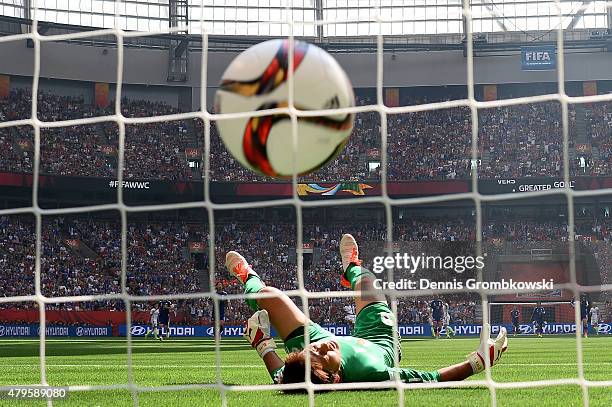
356	277
375	320
284	315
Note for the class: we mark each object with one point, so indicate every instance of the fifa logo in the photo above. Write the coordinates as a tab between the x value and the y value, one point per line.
539	56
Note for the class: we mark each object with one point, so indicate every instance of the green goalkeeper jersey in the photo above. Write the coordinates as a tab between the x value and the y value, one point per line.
368	355
364	361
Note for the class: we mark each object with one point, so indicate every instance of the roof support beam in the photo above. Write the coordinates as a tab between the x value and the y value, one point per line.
319	16
499	20
579	14
27	9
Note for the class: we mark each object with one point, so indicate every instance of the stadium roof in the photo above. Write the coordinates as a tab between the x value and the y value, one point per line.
348	17
350	25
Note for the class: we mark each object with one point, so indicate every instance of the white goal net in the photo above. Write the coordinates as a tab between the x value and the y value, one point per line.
375	22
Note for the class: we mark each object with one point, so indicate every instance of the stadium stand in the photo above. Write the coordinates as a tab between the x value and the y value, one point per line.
516	141
82	256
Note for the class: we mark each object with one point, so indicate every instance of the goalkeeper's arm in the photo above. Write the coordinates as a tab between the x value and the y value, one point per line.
275	366
257	332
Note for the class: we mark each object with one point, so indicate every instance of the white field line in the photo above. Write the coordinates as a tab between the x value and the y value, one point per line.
116	366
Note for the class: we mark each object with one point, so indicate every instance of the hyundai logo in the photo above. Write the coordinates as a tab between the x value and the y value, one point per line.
138	330
602	328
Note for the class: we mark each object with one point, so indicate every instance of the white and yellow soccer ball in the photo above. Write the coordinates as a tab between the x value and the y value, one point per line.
257	79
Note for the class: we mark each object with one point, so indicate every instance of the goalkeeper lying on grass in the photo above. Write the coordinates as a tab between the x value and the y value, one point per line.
367	356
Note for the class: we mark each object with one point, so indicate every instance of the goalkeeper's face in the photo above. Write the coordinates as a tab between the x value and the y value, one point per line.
327	354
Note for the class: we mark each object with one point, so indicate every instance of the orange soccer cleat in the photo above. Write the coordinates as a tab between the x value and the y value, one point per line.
238	266
349	252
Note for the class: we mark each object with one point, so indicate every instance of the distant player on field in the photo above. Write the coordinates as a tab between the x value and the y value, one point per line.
153	322
584	315
366	356
164	316
514	314
446	321
437	314
428	313
349	309
595	319
537	316
222	305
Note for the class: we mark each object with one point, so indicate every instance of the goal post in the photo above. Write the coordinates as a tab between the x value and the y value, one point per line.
559	317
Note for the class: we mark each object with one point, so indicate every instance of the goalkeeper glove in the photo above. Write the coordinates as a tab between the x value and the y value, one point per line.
257	332
494	347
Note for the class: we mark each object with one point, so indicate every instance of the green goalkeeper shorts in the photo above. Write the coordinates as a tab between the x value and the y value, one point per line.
375	323
295	341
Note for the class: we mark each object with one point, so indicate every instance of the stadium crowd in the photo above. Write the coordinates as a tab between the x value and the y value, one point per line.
81	256
515	141
599	123
430	145
152	150
523	141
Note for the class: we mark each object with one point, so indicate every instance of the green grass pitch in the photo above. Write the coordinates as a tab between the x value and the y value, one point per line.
188	361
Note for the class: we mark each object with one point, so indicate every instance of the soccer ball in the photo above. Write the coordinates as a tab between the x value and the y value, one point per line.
256	80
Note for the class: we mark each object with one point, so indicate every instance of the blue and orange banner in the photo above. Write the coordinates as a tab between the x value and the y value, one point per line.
101	95
354	188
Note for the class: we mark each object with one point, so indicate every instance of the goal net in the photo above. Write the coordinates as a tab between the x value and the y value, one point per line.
384	26
555	312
